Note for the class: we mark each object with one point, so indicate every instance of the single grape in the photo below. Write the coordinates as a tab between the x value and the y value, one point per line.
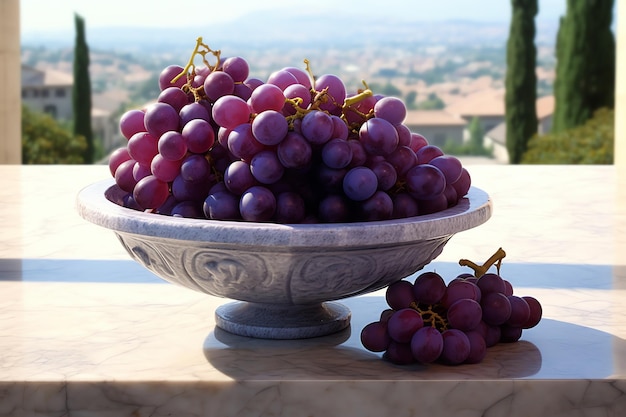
458	290
337	153
117	157
399	295
195	168
404	206
317	127
124	177
242	143
221	205
491	282
425	182
374	337
165	170
391	109
496	308
168	74
237	68
490	333
141	171
404	136
520	311
150	192
218	84
478	347
159	118
536	311
402	159
266	167
270	127
301	75
378	207
173	96
238	177
399	353
172	146
132	122
462	185
282	79
142	147
427	153
456	347
188	209
184	190
508	288
433	205
194	111
199	136
360	183
417	142
386	314
257	204
429	288
230	111
464	314
296	91
294	151
290	207
336	92
386	174
378	136
334	208
427	344
267	97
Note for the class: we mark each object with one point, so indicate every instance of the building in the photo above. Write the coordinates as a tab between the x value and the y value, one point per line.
487	105
437	126
48	92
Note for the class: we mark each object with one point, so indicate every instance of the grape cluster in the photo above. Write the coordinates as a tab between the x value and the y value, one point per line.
294	148
429	321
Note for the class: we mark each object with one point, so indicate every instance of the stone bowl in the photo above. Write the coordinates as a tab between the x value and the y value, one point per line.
286	277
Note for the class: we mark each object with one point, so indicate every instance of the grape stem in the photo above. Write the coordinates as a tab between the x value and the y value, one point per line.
480	270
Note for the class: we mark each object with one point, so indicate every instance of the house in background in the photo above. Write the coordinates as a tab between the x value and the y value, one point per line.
50	92
496	137
487	105
437	126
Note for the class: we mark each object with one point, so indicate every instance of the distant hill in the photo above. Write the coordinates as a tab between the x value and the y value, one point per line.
310	30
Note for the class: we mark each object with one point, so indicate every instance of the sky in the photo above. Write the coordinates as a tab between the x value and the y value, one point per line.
46	15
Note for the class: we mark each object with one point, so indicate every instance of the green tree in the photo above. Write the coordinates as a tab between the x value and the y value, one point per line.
81	94
410	99
521	79
45	141
433	102
476	136
585	68
589	143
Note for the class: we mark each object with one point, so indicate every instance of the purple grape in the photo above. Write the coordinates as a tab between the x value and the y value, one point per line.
456	347
399	295
301	75
427	344
386	314
218	84
464	314
508	288
429	288
257	204
199	136
391	109
449	165
175	97
451	196
433	205
117	157
188	209
290	208
336	92
267	97
458	290
317	127
404	206
266	167
221	205
168	74
282	79
337	153
269	127
195	168
425	182
159	118
165	169
496	308
132	122
124	177
478	347
237	68
296	91
417	142
230	111
402	159
374	337
340	128
491	282
294	151
242	143
520	311
404	137
360	183
427	153
334	208
399	353
193	111
378	207
172	146
142	147
491	334
385	174
238	177
378	136
150	192
462	185
184	190
536	311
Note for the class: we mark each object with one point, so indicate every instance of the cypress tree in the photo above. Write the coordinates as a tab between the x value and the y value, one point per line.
81	93
521	79
585	69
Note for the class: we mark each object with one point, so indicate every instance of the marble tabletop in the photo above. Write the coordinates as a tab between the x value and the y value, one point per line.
85	331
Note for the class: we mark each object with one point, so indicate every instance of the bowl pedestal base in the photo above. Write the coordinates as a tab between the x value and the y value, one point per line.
276	321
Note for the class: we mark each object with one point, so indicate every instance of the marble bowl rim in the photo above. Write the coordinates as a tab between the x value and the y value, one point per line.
94	204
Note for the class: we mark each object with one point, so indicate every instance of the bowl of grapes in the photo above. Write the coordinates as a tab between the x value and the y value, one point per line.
283	194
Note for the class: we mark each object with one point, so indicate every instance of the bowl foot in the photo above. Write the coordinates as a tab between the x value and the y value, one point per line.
271	321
